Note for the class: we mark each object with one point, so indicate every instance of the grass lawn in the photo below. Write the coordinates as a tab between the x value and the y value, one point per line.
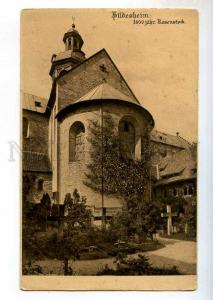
91	267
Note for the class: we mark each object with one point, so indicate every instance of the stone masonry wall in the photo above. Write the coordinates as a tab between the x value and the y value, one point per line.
72	174
37	141
160	150
88	75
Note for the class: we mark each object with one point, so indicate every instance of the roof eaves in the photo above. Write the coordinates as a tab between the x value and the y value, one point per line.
167	143
174	179
34	111
74	105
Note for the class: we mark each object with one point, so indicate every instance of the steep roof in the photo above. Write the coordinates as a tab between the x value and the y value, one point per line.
106	91
179	166
35	162
33	103
169	139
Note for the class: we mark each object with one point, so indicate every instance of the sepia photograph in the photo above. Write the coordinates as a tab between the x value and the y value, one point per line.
109	118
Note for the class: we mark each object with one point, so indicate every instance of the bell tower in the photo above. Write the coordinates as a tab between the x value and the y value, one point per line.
72	40
72	55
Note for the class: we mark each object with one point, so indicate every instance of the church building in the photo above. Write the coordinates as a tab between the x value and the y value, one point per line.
56	150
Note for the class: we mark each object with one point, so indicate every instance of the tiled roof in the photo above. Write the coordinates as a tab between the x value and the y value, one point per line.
181	177
179	166
35	162
169	139
106	91
32	102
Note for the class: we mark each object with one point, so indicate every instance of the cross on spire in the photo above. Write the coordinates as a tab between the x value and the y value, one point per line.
73	22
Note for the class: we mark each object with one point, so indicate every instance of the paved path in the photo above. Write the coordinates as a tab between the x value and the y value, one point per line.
184	251
179	253
175	253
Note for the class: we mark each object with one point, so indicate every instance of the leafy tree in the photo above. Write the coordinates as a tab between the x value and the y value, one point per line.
189	218
43	211
143	221
30	249
186	209
33	221
110	173
77	221
27	182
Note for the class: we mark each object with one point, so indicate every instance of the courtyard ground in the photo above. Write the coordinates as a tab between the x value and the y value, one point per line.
179	253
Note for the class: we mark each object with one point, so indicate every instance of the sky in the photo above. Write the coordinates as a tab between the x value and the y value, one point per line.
159	61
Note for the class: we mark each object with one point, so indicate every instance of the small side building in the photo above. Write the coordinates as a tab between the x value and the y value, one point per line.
176	175
37	173
164	145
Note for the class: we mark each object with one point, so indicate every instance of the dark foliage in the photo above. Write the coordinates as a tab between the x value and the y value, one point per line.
28	269
33	222
186	209
76	223
142	219
111	173
27	182
138	266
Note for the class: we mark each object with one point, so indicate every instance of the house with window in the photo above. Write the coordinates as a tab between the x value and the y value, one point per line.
176	175
165	145
35	160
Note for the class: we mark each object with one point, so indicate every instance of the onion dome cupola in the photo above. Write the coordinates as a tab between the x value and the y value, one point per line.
72	56
73	40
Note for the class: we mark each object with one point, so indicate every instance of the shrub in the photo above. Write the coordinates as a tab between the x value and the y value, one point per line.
151	246
124	249
32	270
138	266
93	255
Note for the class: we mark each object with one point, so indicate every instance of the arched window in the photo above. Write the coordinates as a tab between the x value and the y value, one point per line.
76	141
69	44
25	127
75	43
127	139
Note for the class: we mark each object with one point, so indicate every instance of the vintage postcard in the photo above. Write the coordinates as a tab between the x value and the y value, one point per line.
109	149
